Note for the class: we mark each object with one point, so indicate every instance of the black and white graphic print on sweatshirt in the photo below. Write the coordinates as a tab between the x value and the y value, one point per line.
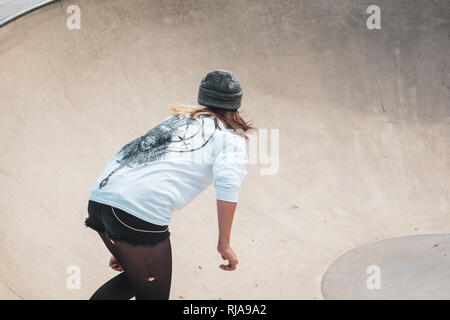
166	168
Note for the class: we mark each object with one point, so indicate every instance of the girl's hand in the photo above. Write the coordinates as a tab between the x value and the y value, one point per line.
114	264
227	254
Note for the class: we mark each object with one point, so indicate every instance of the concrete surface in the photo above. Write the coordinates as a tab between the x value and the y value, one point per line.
363	118
412	267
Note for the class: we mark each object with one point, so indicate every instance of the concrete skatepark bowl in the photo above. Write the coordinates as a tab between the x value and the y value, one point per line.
363	119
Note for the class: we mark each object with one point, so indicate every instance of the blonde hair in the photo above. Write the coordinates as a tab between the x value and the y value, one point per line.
230	118
182	110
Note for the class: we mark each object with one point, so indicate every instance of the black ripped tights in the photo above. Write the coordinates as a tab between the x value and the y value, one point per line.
147	272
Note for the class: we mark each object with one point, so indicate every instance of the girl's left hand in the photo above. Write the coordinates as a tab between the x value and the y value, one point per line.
114	264
227	254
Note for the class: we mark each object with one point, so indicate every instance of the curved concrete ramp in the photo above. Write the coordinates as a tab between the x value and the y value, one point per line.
362	116
412	267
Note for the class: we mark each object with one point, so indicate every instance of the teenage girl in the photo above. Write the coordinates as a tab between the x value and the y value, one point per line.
132	201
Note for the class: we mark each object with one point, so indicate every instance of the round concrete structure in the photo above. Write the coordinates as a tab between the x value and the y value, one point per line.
412	267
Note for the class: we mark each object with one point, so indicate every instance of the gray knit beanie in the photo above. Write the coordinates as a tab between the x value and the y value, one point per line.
220	89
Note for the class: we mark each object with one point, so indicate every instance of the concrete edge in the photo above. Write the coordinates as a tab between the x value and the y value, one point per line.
22	11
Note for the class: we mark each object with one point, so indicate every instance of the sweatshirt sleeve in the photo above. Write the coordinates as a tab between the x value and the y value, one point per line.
229	168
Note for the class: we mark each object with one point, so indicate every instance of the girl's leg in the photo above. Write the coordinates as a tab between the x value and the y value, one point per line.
119	287
148	268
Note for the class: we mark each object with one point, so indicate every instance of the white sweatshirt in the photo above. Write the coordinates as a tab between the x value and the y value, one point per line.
170	165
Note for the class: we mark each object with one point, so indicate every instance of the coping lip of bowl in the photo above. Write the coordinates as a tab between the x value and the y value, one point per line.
18	14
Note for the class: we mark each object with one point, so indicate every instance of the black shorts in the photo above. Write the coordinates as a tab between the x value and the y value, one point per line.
121	226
